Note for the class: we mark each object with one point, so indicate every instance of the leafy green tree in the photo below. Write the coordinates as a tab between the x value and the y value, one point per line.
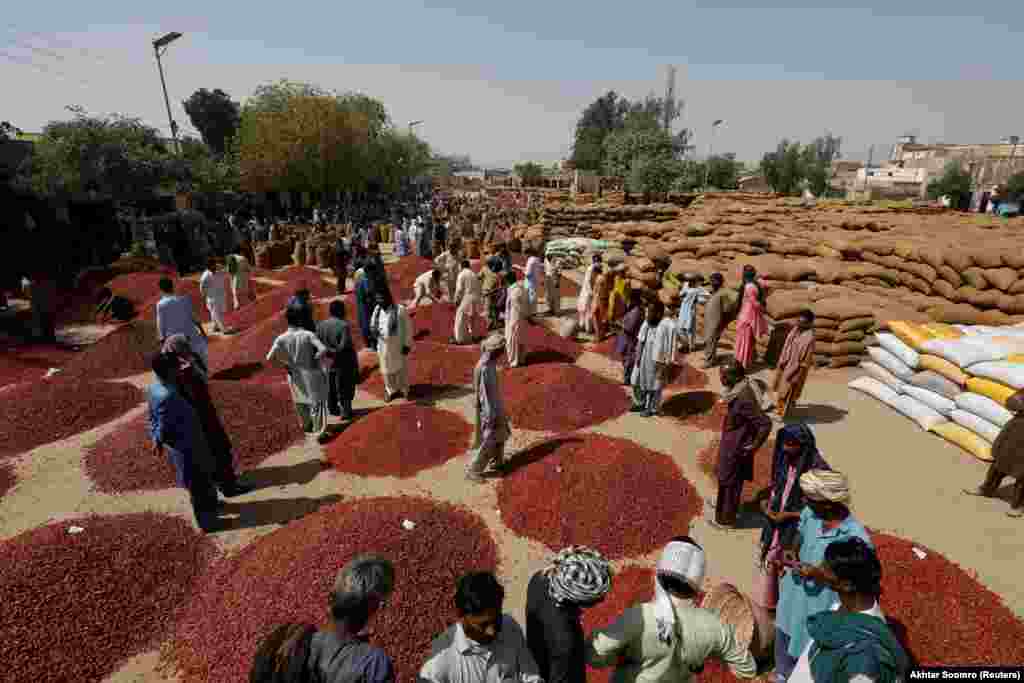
783	168
115	155
530	172
652	173
603	116
954	181
1015	186
816	159
723	171
209	172
215	116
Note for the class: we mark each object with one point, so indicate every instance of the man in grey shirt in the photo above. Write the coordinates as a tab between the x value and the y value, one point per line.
341	652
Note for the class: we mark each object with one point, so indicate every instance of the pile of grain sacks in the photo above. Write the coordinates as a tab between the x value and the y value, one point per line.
953	380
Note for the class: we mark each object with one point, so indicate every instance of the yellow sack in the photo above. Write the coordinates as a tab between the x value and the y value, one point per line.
1016	358
942	330
944	368
1000	393
910	334
965	439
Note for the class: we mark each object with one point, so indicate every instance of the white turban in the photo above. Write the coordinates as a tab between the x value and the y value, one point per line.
825	486
683	561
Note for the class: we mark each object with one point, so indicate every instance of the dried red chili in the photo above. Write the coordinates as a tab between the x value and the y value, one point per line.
400	441
560	398
287	575
259	421
74	606
434	369
7	479
49	410
126	351
696	409
596	494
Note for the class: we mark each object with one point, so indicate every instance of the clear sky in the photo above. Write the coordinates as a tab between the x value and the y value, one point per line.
505	82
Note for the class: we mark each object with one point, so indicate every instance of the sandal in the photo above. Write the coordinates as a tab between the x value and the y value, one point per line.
1015	513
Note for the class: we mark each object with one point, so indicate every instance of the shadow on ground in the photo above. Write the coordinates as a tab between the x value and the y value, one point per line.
428	394
264	512
240	372
689	403
267	477
548	356
816	413
535	454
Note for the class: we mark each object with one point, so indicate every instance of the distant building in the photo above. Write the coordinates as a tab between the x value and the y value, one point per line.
988	164
753	183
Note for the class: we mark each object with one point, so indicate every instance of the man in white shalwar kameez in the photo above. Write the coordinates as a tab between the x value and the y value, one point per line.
656	351
213	288
491	420
449	264
391	327
517	313
426	286
469	299
238	267
300	352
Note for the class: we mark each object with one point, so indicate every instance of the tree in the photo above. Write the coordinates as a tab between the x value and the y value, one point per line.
652	173
954	182
116	155
817	159
530	172
603	116
208	172
783	168
723	171
8	131
1015	186
214	115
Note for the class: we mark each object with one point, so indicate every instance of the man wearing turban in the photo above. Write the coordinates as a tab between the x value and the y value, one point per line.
804	589
577	578
669	639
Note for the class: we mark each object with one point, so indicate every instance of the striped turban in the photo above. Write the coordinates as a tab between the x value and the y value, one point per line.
578	575
825	486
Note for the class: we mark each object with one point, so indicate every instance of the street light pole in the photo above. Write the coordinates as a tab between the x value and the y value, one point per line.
159	43
711	151
412	124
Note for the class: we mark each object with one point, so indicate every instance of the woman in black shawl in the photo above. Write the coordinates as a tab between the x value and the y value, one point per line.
796	452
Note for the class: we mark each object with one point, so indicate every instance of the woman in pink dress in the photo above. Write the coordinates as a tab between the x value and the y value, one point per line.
751	322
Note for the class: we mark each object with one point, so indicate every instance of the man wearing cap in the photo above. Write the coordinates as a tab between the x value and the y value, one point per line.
804	589
669	639
491	421
577	578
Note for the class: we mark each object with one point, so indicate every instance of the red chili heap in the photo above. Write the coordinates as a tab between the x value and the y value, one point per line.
141	289
53	409
690	378
600	491
403	273
244	358
128	574
312	278
270	305
433	369
950	619
556	397
125	352
286	577
544	346
400	441
436	322
707	460
259	421
29	362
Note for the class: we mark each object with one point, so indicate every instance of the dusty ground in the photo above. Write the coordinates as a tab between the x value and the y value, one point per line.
905	481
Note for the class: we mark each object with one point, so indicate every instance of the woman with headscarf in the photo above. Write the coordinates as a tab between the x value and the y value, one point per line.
669	639
751	322
825	519
190	378
577	578
795	453
490	419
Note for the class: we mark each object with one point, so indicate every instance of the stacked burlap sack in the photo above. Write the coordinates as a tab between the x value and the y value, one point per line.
270	255
953	380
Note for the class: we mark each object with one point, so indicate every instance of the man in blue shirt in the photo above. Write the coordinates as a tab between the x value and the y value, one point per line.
174	425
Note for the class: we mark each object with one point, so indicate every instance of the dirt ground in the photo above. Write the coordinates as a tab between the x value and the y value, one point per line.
905	481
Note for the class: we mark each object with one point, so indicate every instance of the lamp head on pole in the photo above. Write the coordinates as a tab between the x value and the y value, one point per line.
717	123
166	40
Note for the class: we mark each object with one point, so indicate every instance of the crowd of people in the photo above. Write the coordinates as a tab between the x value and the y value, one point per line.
816	572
